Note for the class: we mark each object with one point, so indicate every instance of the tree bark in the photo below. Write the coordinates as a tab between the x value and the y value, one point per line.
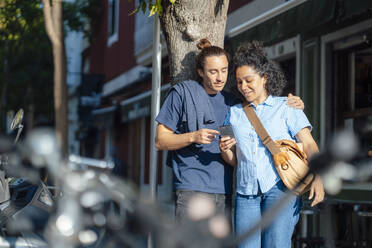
183	24
53	24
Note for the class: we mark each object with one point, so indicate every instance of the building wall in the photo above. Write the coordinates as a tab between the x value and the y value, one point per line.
112	60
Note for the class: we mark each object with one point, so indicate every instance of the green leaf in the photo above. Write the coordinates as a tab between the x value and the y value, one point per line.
153	10
172	1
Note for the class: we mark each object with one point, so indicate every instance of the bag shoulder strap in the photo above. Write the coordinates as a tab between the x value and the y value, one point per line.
260	129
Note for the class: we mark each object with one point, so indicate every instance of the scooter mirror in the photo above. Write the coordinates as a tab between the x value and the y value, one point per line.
17	120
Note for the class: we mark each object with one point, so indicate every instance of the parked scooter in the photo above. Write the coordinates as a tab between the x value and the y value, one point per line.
16	124
31	215
25	201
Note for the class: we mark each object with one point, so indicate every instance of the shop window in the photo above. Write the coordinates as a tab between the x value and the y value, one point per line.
353	85
363	80
289	69
286	54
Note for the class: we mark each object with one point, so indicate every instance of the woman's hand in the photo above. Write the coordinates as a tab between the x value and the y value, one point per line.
316	191
227	147
226	143
295	102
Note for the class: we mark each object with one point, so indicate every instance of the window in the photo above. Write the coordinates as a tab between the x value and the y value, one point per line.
113	21
286	54
353	86
362	89
289	69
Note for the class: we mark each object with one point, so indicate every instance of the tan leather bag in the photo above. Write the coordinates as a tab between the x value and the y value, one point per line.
295	168
289	157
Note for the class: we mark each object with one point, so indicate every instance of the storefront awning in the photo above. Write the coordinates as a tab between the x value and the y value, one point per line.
137	73
301	18
139	106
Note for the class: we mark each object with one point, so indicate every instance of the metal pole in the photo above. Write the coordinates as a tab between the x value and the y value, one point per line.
155	106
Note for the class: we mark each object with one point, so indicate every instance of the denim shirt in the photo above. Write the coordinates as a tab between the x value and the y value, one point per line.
256	171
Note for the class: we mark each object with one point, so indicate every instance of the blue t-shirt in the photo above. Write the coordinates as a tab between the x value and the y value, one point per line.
198	167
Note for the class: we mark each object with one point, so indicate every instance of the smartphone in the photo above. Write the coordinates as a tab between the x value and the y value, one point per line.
226	131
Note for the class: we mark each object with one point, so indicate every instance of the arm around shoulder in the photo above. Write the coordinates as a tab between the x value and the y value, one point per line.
295	102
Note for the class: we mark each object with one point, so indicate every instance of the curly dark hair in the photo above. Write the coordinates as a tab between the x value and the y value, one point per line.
253	54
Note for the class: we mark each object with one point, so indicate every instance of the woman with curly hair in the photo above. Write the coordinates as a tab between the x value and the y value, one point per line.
260	82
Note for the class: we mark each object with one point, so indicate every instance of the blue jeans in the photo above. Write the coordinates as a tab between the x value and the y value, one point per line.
248	211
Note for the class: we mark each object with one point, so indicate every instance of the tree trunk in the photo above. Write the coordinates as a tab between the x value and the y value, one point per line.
60	96
53	23
184	24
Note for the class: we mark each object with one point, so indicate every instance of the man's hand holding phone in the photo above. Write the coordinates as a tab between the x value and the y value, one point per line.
204	136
